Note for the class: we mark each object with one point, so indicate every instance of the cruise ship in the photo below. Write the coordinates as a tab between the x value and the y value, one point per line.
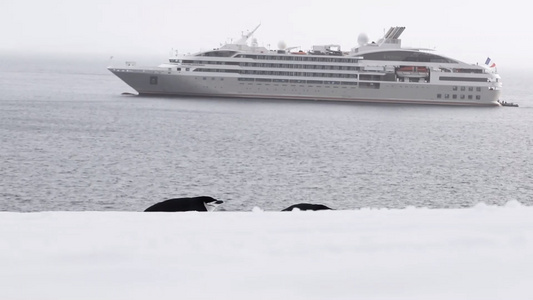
373	72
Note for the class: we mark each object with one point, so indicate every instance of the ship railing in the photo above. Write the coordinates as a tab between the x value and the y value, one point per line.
141	70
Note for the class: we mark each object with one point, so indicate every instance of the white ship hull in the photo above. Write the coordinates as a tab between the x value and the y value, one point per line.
142	80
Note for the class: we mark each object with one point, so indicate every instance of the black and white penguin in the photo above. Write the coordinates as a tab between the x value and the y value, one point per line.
306	206
203	203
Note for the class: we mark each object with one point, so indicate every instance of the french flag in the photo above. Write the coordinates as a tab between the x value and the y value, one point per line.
489	63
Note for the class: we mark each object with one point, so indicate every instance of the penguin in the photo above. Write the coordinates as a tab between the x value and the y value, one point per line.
306	206
203	203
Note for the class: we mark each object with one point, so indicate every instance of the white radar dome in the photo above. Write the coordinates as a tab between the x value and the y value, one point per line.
282	45
362	39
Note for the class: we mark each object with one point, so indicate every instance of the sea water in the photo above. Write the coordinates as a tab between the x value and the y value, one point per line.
70	141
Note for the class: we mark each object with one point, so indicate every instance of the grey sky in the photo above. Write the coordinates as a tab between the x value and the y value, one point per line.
468	31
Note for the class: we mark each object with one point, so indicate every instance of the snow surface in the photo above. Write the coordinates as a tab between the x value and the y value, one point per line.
484	252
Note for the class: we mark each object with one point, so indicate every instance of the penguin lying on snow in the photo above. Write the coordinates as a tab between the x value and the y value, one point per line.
203	203
306	206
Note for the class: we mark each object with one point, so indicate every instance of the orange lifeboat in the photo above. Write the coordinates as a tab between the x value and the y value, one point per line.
412	72
406	69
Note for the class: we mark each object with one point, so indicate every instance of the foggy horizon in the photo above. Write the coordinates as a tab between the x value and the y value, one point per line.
468	32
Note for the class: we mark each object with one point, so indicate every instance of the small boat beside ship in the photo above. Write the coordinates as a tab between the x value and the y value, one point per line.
509	104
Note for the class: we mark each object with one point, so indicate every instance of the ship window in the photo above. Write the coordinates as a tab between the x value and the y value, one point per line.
153	80
470	89
415	56
462	96
454	96
455	88
463	88
477	71
472	79
478	89
469	97
439	96
446	96
314	82
218	53
478	97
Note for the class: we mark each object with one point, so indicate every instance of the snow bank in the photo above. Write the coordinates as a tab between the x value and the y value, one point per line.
483	252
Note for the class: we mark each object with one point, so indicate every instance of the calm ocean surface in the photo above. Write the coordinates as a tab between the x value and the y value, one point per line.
71	141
